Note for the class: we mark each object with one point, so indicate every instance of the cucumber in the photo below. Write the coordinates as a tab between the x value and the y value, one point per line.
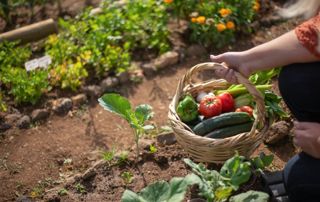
230	130
223	120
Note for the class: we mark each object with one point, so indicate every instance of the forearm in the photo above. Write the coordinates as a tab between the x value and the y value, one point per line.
281	51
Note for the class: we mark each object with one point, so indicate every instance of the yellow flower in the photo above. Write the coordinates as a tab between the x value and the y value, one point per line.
168	1
221	27
201	19
224	12
256	6
194	20
230	25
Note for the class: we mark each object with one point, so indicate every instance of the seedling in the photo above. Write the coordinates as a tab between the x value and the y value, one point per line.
108	156
136	118
62	192
123	157
80	188
153	149
127	177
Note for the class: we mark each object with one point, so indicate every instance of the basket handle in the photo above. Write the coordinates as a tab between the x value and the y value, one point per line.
257	96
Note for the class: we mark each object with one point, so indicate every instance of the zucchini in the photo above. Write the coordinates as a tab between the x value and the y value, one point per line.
223	120
230	130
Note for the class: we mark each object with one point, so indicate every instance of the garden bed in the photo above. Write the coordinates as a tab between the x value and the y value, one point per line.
35	160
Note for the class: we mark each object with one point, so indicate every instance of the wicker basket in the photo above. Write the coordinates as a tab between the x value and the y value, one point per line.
204	149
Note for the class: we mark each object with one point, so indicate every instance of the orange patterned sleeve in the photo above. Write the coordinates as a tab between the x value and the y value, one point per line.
308	34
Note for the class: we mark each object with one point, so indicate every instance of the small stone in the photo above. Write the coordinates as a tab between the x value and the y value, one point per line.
149	69
108	84
277	131
167	138
124	77
12	118
79	100
62	106
196	51
167	59
92	91
40	114
24	122
23	199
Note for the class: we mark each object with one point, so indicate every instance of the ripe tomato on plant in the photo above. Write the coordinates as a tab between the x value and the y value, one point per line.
247	109
210	106
227	102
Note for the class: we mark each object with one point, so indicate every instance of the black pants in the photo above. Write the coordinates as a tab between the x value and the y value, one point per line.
300	88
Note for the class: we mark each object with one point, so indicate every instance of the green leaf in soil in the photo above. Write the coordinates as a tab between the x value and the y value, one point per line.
250	196
143	113
163	191
262	161
223	193
117	104
236	171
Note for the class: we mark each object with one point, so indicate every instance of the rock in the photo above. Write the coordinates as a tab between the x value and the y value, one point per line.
167	138
23	198
167	59
149	69
277	131
196	51
79	100
24	122
4	127
108	84
62	106
92	91
124	77
11	119
40	114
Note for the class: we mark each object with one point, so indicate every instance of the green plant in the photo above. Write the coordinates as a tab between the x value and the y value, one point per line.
219	186
80	188
123	157
215	23
127	177
62	192
122	107
3	106
108	156
26	87
174	191
153	149
12	55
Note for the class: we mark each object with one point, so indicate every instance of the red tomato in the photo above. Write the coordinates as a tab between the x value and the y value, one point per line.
227	102
210	106
247	109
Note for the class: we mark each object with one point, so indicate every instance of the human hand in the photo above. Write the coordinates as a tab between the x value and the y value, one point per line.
235	61
307	136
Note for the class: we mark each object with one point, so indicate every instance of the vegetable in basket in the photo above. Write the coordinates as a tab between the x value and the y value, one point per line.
210	106
246	109
227	102
187	109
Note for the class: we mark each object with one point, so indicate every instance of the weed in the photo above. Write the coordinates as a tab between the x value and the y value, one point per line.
127	177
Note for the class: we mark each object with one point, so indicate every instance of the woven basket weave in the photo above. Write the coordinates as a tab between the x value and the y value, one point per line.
205	149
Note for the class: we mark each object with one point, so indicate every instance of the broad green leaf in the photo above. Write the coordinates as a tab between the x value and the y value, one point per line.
129	196
178	187
156	192
236	171
117	104
143	113
250	196
262	161
223	193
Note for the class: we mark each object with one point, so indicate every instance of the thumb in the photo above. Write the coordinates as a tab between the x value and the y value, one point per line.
217	58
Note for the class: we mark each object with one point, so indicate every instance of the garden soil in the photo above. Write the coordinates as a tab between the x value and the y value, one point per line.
55	155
